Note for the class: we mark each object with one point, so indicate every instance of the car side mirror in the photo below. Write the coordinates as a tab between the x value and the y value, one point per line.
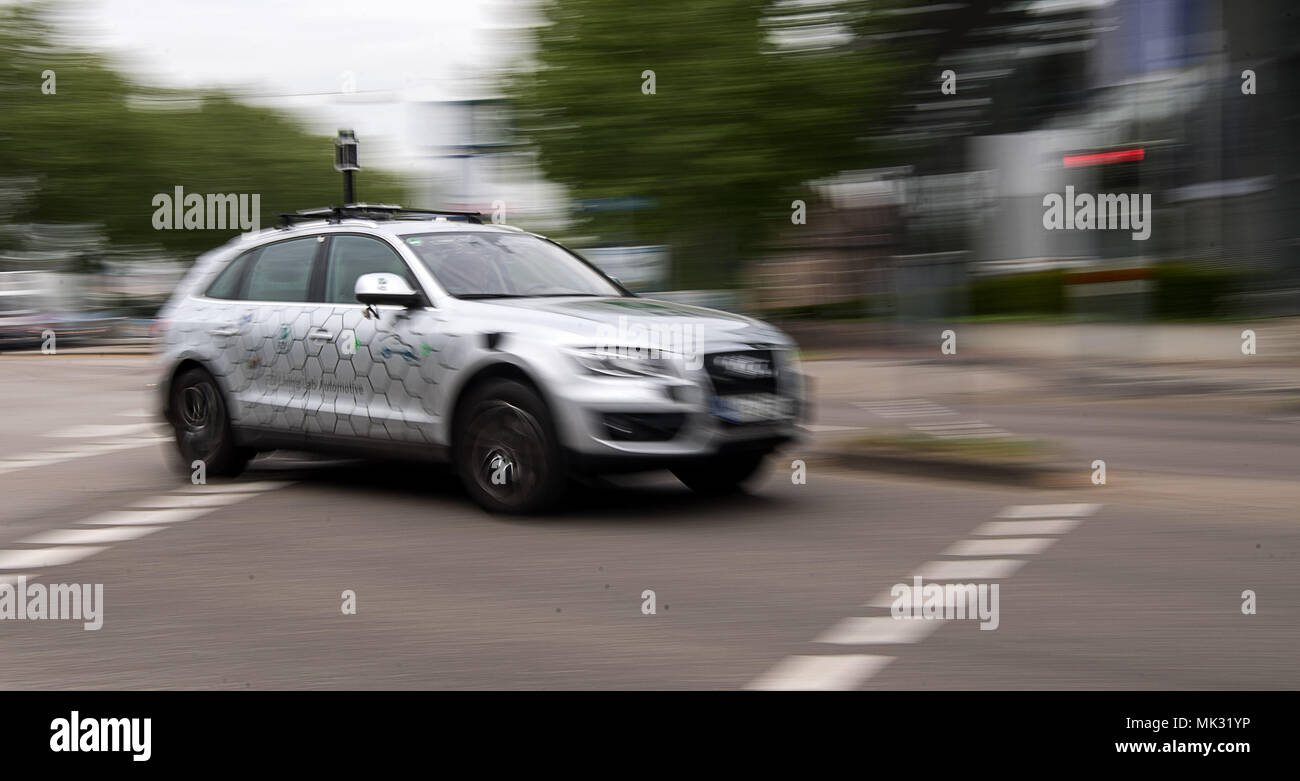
385	288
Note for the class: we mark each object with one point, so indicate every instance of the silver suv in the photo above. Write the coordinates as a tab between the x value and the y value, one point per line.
383	331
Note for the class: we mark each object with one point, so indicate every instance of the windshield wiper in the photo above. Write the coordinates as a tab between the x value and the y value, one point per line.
489	295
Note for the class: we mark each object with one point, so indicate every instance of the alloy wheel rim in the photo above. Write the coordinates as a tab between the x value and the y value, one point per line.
506	452
199	432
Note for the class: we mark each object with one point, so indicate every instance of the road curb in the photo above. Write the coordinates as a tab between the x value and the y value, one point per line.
895	462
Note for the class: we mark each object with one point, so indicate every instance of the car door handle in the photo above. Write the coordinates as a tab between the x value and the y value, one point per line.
320	335
224	332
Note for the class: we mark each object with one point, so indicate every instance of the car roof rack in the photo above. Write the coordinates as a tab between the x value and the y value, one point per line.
372	211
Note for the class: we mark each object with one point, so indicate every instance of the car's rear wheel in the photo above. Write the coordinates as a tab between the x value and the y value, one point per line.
202	426
506	450
719	474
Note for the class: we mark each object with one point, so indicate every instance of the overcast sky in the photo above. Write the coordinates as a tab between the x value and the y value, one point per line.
292	52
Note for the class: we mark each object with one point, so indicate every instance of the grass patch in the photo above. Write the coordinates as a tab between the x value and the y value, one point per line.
1017	450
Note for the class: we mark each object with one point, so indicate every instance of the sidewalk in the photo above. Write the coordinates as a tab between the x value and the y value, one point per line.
1072	359
870	379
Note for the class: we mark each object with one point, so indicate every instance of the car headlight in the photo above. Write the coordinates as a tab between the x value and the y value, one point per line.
788	361
626	362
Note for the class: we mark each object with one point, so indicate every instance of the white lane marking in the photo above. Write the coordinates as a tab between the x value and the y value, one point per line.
952	598
119	526
91	536
978	435
25	463
878	629
969	429
846	672
72	451
1016	528
1003	546
61	454
234	488
905	408
46	557
94	431
972	569
146	517
914	413
197	500
139	516
1048	511
128	442
820	673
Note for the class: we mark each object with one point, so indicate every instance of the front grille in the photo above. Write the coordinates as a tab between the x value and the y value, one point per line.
742	371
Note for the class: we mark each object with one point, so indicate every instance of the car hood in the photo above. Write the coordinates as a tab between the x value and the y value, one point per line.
595	319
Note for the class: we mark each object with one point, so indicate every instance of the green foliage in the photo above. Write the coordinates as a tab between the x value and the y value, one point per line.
1185	291
735	129
1181	291
1038	293
101	147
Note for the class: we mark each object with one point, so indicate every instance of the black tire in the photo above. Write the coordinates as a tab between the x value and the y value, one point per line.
202	426
719	474
506	450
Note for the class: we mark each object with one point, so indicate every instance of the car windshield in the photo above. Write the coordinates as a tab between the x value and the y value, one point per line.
506	265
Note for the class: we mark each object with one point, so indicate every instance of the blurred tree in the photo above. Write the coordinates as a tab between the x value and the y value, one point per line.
751	100
100	148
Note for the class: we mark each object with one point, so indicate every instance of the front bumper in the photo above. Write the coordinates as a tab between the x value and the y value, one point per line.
679	425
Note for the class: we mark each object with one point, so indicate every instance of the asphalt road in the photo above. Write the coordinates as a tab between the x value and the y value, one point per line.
1134	585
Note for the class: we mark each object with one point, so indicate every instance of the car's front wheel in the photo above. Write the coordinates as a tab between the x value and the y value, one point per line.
719	474
202	426
506	450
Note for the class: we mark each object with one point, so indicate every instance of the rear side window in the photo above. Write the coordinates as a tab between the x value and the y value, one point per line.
282	271
352	256
226	285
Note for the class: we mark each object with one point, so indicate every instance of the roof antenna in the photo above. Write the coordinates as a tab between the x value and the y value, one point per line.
345	160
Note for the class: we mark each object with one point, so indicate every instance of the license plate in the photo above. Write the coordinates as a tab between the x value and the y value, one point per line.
751	407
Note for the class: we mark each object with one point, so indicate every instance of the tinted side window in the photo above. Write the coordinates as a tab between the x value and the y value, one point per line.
226	285
282	271
352	256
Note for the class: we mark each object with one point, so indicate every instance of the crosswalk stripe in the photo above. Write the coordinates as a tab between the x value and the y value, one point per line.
972	569
1016	528
146	517
196	500
1048	511
91	536
235	488
878	630
1002	546
37	558
821	673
